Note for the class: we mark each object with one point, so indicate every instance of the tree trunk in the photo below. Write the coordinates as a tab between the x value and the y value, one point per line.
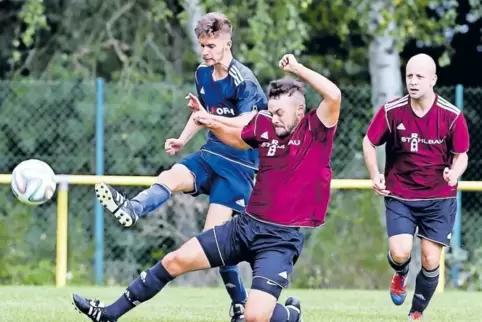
194	13
386	79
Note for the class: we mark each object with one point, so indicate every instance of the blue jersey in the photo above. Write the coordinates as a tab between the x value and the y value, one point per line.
232	96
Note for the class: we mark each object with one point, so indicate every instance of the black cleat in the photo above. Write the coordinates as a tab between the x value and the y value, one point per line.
237	312
93	309
294	304
117	204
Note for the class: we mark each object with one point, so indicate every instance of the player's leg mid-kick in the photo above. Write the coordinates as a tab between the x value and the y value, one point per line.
222	172
189	257
128	212
206	251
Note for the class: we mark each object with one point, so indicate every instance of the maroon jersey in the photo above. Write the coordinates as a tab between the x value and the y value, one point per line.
419	148
293	183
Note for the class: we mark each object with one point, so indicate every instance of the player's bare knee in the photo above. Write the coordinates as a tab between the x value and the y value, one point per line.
189	257
172	262
400	247
431	252
400	254
177	262
178	178
430	260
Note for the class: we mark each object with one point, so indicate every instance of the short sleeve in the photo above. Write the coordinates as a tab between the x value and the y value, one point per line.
319	130
459	135
378	129
253	133
249	97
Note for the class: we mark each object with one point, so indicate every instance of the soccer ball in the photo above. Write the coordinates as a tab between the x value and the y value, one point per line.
33	182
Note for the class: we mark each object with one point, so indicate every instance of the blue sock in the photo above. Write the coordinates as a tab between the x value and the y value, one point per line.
232	282
150	199
282	313
143	288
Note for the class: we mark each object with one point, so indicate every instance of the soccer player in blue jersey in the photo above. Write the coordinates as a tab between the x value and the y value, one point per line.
292	190
232	94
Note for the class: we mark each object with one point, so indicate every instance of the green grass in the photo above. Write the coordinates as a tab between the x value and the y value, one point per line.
48	304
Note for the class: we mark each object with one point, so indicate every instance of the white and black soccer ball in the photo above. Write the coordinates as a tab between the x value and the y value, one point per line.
33	182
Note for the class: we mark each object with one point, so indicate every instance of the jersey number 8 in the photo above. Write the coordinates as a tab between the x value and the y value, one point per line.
271	150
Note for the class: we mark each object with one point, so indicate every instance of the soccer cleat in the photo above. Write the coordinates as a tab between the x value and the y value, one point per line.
237	312
117	204
398	288
93	309
415	316
294	304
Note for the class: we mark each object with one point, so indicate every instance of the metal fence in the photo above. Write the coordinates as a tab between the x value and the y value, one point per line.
56	122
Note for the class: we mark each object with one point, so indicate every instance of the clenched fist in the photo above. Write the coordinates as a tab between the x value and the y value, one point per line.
288	63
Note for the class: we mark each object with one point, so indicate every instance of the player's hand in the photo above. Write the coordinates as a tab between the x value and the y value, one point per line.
378	184
450	177
194	103
172	146
289	63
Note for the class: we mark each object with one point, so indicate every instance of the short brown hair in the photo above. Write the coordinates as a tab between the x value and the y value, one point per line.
285	86
212	24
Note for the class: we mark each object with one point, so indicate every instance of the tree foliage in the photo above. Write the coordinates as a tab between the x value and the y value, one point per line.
142	40
149	40
431	23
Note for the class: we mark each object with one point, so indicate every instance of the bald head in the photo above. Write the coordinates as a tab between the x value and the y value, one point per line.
423	62
420	76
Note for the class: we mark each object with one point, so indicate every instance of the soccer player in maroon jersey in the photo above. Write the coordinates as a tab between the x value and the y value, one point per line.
292	190
426	148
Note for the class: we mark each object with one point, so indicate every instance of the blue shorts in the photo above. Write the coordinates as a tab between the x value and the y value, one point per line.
434	218
271	250
227	183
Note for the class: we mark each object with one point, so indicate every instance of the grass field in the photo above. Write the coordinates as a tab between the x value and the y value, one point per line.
48	304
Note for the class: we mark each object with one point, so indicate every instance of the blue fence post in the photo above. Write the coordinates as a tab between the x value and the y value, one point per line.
457	233
99	170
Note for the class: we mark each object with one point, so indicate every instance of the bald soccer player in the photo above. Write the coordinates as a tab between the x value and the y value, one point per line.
426	141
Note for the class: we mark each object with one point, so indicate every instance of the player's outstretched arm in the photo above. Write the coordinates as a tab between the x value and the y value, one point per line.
329	109
238	121
229	135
